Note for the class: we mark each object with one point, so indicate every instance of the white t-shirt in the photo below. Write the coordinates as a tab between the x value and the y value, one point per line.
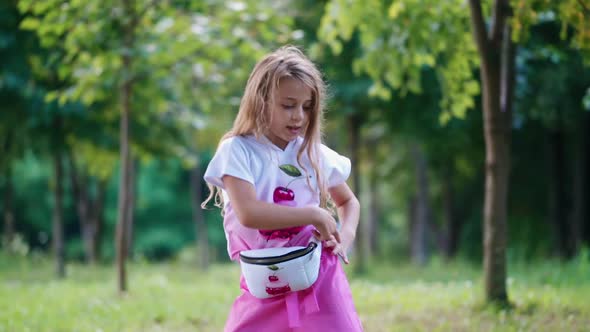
267	167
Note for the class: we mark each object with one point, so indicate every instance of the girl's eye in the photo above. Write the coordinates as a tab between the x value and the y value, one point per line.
288	106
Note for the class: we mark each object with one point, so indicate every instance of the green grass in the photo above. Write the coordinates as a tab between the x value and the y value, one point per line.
547	296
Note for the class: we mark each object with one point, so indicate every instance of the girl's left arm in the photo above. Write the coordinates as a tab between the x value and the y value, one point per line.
348	208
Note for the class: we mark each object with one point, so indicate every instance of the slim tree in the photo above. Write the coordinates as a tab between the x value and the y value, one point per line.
497	54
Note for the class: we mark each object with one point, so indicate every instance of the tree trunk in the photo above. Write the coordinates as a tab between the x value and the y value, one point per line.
411	212
575	229
366	237
199	218
123	204
8	231
362	234
497	54
418	236
452	223
125	173
557	193
374	210
97	220
89	211
58	228
585	227
130	211
80	193
579	178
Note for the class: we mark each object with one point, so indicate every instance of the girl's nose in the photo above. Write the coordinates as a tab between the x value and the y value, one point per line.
298	113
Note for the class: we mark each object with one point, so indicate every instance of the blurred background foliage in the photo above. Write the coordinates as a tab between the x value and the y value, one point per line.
405	102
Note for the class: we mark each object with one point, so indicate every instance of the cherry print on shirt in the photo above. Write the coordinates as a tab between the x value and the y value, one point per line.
285	196
281	195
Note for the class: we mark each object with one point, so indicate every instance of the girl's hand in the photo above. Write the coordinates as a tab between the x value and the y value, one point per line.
341	247
325	224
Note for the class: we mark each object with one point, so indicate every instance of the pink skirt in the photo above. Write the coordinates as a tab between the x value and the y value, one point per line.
326	306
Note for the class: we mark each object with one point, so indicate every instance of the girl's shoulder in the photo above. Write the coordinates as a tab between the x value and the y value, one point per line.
245	148
324	152
327	152
232	140
233	143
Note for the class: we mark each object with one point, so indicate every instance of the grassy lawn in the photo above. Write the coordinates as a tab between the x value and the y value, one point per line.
177	297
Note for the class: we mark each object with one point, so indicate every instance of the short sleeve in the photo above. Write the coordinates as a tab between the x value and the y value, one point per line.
335	167
231	158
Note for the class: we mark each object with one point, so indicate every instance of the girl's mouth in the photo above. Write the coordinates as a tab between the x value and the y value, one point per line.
294	130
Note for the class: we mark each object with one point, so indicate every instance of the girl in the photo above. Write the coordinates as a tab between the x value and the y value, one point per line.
273	177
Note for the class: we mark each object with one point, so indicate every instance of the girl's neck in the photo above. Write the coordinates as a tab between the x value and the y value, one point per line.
282	145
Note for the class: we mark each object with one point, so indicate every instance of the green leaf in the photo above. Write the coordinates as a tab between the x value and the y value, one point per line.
51	96
379	90
395	9
273	267
30	23
290	170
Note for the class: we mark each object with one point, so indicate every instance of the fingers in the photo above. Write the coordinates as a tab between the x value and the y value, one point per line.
320	236
326	235
344	258
328	226
317	234
337	236
331	243
339	250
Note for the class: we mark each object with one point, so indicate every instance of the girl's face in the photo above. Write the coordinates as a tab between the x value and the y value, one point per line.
290	111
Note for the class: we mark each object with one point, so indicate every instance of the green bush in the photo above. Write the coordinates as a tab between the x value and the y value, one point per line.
583	261
159	244
75	250
17	246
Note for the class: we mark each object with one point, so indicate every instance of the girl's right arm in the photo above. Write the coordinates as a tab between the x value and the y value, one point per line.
253	213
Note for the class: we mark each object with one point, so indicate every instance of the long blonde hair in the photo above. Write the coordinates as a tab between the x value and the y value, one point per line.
254	115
